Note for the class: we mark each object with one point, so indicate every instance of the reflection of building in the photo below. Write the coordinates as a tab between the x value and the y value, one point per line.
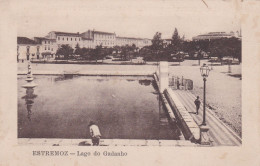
29	100
145	82
27	48
216	35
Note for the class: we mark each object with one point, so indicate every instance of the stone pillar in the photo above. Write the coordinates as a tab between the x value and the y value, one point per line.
163	76
204	135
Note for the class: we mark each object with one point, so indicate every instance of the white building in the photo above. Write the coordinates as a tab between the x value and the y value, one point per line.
138	42
93	38
27	49
216	35
65	38
106	39
46	47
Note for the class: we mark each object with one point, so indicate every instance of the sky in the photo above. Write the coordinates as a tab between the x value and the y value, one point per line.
128	18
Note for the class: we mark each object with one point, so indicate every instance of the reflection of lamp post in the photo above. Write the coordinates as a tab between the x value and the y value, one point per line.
204	70
29	100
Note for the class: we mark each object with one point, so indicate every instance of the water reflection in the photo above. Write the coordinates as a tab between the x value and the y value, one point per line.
64	77
29	100
145	82
123	109
167	124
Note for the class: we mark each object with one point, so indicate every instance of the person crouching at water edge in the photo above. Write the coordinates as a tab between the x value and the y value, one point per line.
94	133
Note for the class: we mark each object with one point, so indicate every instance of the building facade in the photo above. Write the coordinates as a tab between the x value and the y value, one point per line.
46	47
27	49
65	38
138	42
216	35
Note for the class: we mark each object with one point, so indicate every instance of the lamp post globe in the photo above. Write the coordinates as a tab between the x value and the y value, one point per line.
204	70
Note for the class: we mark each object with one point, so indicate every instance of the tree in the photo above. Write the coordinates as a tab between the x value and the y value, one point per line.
117	49
78	50
157	44
190	48
183	38
175	37
125	49
65	50
98	53
176	41
85	53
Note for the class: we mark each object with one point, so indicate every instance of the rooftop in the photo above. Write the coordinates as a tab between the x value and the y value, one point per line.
66	33
25	40
105	33
131	38
43	38
216	34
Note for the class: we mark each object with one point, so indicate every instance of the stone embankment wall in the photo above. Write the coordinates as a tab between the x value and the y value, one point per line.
190	129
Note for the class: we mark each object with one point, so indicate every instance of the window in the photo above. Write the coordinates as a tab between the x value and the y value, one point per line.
45	42
71	39
63	38
79	39
48	48
67	39
45	48
58	38
51	49
49	42
75	39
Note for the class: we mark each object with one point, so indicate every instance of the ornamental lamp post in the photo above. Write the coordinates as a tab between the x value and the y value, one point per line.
204	70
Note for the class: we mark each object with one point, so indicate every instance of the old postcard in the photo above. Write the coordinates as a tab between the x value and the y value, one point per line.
153	82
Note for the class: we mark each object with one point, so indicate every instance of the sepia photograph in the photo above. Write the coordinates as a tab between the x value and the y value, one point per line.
115	80
148	82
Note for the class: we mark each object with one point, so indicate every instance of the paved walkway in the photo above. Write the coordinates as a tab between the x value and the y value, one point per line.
220	134
103	142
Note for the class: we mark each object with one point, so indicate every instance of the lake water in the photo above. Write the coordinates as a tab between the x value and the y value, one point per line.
123	108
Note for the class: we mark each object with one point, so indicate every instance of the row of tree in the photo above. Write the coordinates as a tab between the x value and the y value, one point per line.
160	50
126	52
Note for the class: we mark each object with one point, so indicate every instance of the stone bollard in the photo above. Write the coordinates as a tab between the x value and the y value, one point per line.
163	76
204	135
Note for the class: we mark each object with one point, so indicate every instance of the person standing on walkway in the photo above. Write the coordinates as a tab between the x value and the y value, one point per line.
94	133
197	103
